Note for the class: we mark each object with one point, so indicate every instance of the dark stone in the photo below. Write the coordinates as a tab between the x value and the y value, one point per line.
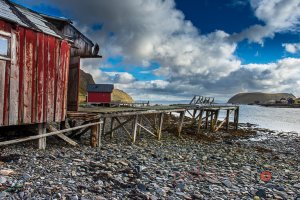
261	193
142	187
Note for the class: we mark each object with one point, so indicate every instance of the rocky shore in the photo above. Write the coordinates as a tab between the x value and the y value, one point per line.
207	166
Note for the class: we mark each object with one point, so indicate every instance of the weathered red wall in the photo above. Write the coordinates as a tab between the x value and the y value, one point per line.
99	97
34	89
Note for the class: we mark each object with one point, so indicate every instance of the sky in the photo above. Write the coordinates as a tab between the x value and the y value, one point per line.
173	49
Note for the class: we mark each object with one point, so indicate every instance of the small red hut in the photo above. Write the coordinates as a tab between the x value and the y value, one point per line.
99	93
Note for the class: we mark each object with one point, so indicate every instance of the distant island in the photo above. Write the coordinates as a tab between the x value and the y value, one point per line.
261	98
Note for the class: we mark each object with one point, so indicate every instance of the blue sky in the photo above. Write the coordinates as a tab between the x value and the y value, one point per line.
176	48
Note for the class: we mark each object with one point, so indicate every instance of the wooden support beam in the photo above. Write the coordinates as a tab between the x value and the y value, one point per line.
200	121
161	120
123	123
143	127
99	134
62	136
212	121
215	121
42	140
139	128
135	125
94	136
35	137
103	125
206	119
236	118
181	120
123	127
112	127
227	119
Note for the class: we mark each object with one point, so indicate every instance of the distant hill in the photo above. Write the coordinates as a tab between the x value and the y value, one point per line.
251	98
117	95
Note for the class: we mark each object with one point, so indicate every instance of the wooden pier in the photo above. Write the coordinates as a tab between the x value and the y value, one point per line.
134	121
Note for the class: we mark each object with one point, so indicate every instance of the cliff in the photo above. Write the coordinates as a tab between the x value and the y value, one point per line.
117	95
257	97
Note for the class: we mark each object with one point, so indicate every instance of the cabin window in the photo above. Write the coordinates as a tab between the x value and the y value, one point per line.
4	46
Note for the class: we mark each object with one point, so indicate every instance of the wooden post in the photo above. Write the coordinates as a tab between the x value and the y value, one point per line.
103	125
135	126
161	120
215	123
99	135
181	119
112	127
236	118
94	136
212	120
42	141
200	121
206	119
227	119
139	127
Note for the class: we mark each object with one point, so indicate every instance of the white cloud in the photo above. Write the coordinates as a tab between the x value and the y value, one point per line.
292	47
277	16
146	31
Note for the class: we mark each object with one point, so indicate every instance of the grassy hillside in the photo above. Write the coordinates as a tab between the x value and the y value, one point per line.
250	98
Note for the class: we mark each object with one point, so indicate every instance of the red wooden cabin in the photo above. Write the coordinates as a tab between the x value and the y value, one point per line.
99	93
38	62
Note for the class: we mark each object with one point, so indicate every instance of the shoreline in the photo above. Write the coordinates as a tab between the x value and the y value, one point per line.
215	165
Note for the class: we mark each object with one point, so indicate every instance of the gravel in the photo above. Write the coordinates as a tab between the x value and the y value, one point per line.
207	166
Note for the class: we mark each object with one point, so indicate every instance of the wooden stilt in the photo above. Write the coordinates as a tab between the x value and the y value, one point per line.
135	125
62	136
200	121
206	119
103	125
139	127
227	119
161	120
99	142
181	119
236	118
112	127
212	121
42	141
215	123
94	136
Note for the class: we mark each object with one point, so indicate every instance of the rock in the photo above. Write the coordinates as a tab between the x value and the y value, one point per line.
6	172
142	187
3	195
212	180
297	186
227	183
282	194
161	192
261	193
256	198
2	180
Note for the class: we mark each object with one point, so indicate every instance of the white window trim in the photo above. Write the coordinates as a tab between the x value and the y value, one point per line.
5	34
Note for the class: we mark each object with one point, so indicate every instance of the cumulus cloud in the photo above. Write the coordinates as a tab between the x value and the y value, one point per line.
292	47
276	15
146	31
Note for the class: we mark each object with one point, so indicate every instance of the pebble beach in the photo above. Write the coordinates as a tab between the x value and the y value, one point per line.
252	163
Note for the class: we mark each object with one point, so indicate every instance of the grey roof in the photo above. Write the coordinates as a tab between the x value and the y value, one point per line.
100	88
26	18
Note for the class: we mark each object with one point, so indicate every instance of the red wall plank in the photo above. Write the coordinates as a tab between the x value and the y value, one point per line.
2	88
30	40
14	82
51	79
20	58
58	82
99	97
65	51
40	78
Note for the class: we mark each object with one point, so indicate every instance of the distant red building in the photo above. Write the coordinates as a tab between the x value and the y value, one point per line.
99	93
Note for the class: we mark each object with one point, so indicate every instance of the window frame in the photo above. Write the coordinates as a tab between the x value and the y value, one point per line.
6	35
